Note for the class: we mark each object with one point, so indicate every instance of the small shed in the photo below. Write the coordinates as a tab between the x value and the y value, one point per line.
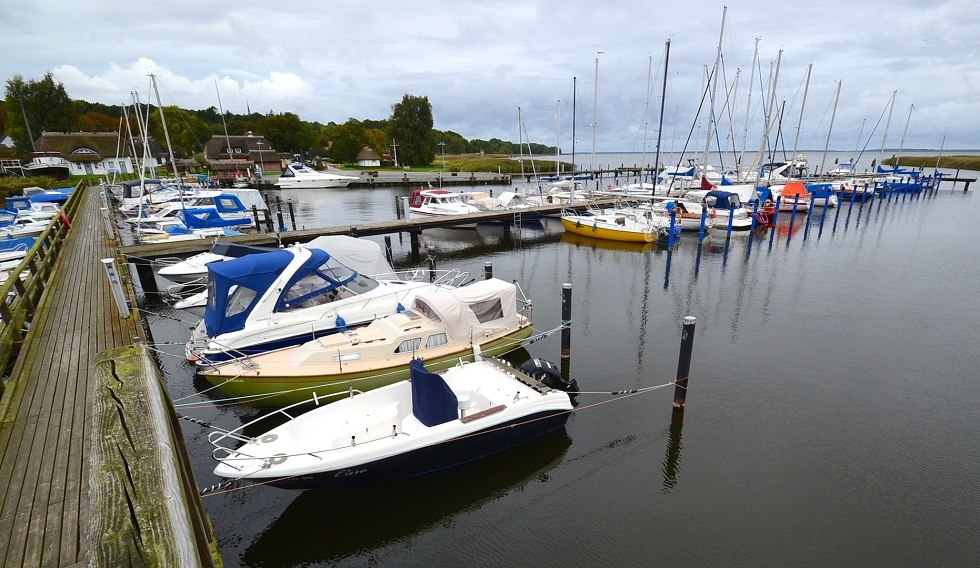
368	158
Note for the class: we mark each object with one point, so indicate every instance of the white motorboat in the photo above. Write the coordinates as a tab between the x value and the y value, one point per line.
194	270
299	176
266	301
438	203
407	429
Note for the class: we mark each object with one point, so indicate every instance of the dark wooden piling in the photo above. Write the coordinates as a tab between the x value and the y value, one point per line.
432	269
487	270
292	214
684	362
388	254
566	320
255	216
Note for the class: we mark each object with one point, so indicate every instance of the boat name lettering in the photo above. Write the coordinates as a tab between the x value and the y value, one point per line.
349	472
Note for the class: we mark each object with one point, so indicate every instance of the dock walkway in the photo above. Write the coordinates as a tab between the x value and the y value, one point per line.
48	410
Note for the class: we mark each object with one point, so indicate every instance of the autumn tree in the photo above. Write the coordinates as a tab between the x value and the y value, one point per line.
411	130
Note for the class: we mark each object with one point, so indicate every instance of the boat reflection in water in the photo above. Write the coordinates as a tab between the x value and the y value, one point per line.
332	526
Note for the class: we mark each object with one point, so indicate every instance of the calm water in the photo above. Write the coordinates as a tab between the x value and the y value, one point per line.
831	420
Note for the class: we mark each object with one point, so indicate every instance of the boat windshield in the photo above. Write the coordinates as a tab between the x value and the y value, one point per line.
326	283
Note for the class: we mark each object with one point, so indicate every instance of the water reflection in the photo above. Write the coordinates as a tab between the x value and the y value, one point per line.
672	455
322	527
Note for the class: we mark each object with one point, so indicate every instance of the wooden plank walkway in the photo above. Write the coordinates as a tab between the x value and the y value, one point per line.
46	416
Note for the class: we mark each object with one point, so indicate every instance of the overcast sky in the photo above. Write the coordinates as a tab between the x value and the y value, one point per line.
478	62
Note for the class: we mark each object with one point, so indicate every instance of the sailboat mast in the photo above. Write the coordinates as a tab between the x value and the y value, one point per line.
166	133
714	90
595	110
799	123
901	145
520	140
833	113
223	123
748	104
884	135
660	126
574	97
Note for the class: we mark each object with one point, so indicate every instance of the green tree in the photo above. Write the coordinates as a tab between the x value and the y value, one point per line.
287	133
346	140
188	133
454	143
45	105
411	130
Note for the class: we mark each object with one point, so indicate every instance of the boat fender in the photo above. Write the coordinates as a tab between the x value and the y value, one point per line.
64	218
399	308
341	323
547	373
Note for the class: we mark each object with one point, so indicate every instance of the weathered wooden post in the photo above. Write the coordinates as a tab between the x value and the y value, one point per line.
268	221
432	269
282	224
487	270
566	320
388	255
406	212
684	362
255	215
292	214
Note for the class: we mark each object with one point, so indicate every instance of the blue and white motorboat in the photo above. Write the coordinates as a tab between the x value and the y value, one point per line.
407	429
272	300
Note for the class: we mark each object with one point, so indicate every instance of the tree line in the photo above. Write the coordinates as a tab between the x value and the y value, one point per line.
32	107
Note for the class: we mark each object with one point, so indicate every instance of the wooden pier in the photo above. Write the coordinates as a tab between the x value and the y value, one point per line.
93	469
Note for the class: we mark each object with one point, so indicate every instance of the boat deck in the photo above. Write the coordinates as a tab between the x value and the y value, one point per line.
46	415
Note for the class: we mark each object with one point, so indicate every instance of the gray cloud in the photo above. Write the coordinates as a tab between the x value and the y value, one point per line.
477	62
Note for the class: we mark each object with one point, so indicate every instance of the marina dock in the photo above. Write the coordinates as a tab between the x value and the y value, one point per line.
92	466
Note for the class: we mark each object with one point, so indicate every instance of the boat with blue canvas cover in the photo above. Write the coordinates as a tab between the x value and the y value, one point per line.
411	428
272	300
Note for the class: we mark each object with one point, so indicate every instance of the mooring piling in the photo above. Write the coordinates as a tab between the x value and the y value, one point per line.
566	320
487	270
684	361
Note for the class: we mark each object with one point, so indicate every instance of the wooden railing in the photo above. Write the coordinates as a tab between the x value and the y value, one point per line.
27	281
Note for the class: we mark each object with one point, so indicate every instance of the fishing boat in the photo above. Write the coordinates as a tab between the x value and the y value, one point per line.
407	429
620	224
266	301
299	176
441	326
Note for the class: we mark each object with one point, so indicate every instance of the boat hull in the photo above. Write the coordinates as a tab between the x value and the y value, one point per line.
437	457
312	183
600	232
268	391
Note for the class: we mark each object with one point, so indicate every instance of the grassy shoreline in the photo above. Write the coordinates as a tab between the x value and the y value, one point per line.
953	162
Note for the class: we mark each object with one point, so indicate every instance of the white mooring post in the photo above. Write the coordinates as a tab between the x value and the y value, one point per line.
108	223
116	285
